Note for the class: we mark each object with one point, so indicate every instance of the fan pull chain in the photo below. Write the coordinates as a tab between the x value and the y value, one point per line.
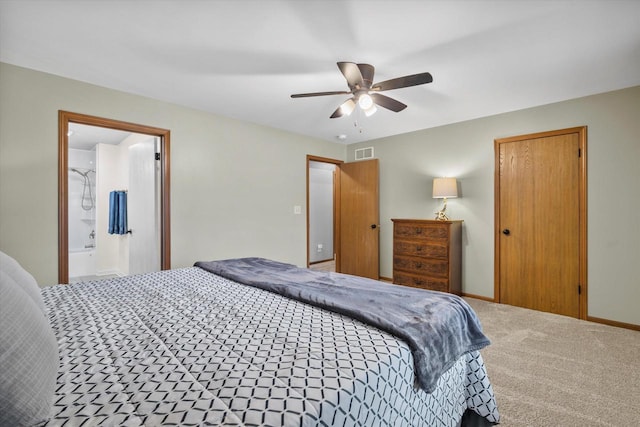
355	120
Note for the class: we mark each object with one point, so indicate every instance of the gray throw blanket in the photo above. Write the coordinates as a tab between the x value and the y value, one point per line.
438	327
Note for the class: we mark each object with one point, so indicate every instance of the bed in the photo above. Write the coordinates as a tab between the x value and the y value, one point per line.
191	347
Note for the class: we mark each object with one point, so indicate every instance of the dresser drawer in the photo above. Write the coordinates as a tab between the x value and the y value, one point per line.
427	249
423	282
421	231
428	266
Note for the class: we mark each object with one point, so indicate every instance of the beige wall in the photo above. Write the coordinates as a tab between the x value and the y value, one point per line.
109	176
233	184
409	162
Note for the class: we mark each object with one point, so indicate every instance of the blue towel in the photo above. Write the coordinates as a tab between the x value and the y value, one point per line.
113	212
118	212
122	213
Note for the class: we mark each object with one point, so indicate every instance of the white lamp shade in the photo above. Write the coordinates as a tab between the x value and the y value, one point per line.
365	101
369	111
445	188
347	107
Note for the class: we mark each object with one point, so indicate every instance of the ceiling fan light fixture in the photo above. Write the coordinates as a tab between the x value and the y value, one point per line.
365	102
370	111
366	94
347	107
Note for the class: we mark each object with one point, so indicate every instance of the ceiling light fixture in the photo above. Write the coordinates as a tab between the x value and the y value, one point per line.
360	81
369	111
365	102
347	107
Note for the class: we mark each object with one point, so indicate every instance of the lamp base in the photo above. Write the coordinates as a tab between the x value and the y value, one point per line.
441	216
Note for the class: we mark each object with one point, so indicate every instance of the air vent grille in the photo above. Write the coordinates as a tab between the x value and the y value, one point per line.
364	153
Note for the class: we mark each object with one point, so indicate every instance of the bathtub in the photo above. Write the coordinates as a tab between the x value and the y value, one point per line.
82	262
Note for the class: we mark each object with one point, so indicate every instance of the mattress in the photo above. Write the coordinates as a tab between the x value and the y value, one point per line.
187	347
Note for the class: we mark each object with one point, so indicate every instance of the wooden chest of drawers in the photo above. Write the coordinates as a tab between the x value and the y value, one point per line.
427	254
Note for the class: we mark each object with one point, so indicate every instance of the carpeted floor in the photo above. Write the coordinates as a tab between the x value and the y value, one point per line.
324	266
550	370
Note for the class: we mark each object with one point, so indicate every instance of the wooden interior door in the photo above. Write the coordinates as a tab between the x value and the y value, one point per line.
359	219
540	221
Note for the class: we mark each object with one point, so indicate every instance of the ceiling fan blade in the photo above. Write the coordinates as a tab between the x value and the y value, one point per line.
306	95
388	103
367	72
345	109
351	72
406	81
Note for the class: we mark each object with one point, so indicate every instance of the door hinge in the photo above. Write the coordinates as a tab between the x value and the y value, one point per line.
579	290
579	152
157	156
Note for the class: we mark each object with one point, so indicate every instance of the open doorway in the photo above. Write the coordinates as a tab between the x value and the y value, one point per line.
321	215
356	216
101	161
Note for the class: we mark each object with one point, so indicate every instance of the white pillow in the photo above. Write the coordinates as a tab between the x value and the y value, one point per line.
28	358
22	278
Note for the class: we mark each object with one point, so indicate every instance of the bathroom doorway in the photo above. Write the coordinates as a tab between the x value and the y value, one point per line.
100	162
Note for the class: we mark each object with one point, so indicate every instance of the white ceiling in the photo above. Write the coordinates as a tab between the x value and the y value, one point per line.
85	137
242	59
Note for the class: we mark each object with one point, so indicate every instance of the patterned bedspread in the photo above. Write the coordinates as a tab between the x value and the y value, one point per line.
187	347
439	327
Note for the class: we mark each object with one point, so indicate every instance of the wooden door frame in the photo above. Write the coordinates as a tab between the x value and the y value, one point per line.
336	205
582	209
66	117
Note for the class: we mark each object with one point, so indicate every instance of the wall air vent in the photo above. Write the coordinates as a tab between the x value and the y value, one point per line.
364	153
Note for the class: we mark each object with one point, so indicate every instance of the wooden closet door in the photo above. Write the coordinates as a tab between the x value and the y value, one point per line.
538	228
359	219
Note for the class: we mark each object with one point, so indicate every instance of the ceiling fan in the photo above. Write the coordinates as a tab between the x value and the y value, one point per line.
365	93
